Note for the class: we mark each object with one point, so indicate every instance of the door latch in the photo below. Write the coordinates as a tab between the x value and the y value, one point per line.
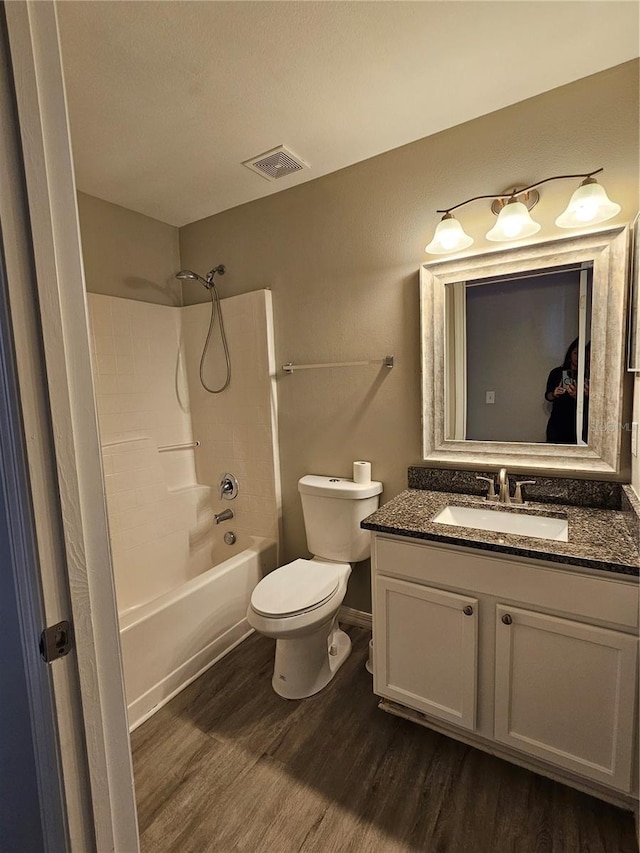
56	641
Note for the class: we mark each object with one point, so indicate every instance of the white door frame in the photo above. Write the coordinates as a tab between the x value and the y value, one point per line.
56	386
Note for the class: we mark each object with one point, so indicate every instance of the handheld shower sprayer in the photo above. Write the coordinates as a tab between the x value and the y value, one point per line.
216	308
189	275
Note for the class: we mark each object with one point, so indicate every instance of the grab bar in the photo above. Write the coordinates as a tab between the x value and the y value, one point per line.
123	441
387	361
187	446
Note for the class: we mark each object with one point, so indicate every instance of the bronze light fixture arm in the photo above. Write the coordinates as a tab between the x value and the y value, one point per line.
517	192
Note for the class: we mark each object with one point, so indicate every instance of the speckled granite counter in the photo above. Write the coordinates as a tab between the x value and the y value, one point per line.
598	538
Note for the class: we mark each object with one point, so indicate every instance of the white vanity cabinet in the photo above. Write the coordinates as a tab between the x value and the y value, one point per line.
534	661
430	639
564	692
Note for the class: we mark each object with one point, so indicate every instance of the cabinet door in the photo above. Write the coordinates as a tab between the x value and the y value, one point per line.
565	693
425	649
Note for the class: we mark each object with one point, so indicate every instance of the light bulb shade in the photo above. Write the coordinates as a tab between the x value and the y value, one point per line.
449	237
514	222
589	205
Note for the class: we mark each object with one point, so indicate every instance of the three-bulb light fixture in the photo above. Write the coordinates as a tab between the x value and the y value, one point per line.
589	205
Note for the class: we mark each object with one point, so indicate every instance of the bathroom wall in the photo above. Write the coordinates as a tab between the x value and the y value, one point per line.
127	254
341	256
161	501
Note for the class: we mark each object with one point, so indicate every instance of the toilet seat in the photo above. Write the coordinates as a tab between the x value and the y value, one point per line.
296	588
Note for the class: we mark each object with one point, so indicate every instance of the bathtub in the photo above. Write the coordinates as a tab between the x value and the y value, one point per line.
169	641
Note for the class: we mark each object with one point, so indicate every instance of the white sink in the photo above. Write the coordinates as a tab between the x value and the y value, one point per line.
520	524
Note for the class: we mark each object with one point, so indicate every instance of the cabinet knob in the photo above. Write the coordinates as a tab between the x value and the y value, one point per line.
468	610
507	619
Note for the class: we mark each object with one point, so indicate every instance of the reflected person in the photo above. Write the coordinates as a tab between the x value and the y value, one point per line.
562	387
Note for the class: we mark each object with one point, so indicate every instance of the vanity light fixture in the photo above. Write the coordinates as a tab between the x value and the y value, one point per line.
589	205
449	237
514	222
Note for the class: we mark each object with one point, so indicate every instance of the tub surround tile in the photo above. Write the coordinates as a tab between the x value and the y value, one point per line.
146	368
598	494
237	429
598	538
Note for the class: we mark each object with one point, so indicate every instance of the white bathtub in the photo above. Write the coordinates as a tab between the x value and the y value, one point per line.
171	640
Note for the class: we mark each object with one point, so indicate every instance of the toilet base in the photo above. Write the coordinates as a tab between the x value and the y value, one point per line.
304	665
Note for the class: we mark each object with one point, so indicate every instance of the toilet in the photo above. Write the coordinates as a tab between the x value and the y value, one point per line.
298	603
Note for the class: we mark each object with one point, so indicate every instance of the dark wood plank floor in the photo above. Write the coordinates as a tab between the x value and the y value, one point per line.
230	766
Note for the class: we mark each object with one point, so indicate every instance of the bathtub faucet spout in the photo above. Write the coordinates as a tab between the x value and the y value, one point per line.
225	515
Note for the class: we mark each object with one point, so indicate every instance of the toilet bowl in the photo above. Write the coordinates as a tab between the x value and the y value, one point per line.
298	603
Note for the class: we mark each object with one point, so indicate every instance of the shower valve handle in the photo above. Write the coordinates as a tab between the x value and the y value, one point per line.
228	487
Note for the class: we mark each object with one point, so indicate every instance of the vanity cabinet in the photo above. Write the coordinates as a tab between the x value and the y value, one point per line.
533	661
564	693
430	639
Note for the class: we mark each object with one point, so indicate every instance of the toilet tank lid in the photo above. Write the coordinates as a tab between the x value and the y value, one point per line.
337	487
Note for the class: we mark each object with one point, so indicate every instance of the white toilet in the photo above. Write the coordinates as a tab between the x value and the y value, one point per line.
297	604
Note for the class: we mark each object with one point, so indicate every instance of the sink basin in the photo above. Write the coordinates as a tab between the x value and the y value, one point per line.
520	524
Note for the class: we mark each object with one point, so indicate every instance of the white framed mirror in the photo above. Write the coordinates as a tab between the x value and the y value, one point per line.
523	355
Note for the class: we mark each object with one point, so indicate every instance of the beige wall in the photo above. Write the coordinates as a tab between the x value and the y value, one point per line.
341	256
127	254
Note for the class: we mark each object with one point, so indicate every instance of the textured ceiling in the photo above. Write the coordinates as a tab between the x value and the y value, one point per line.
166	99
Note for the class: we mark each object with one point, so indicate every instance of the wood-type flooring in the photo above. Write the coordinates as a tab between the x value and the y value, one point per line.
229	766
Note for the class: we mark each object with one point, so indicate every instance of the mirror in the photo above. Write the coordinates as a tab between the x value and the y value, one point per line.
523	355
512	350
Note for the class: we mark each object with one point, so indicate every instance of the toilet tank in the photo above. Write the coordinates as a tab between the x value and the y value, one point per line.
333	509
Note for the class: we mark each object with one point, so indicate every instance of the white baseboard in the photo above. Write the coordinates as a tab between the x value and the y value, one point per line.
354	617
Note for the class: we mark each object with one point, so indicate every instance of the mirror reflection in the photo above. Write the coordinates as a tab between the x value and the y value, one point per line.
517	356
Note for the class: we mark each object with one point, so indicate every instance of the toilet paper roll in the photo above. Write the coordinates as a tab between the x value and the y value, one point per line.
362	472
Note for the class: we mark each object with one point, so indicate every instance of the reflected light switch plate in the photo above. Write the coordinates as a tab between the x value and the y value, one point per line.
490	397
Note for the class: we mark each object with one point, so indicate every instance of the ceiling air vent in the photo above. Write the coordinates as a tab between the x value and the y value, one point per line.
276	164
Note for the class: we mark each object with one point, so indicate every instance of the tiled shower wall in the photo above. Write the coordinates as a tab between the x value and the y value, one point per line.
237	427
149	396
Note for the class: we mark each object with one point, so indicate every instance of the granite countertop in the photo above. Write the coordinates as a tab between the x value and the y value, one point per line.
598	538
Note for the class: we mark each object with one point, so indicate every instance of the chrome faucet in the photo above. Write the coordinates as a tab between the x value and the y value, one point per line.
225	515
503	483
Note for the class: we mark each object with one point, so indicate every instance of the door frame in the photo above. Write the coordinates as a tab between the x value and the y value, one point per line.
53	359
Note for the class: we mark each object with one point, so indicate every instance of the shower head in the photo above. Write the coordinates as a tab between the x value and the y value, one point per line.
188	275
